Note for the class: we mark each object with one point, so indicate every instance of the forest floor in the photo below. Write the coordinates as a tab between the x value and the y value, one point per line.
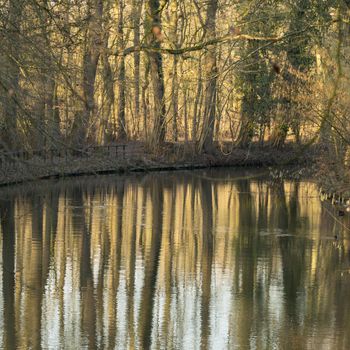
169	157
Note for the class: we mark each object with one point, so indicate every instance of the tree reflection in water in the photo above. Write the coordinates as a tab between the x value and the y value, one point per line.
205	259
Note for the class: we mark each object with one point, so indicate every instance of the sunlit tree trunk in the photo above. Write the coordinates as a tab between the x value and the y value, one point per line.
175	83
121	126
108	122
145	99
137	8
175	99
185	112
219	110
210	70
197	102
154	37
90	62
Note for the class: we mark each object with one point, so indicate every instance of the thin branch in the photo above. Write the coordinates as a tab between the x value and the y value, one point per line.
200	46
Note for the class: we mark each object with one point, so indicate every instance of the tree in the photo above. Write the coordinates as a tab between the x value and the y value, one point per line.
92	53
121	125
153	33
11	68
211	72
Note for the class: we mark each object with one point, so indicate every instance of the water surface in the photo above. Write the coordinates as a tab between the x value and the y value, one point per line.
187	260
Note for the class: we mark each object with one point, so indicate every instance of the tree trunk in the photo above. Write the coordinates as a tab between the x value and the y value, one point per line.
108	123
137	8
175	99
196	107
9	137
90	63
210	69
246	131
175	83
145	99
121	126
153	36
185	93
45	114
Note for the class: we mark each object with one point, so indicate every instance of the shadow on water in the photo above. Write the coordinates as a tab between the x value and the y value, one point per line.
206	259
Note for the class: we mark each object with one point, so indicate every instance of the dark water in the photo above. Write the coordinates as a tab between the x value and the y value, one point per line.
207	259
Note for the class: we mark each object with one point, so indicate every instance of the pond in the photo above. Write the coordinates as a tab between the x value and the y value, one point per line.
214	259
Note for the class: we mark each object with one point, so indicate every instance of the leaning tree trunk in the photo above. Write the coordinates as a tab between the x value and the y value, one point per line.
197	102
154	37
210	71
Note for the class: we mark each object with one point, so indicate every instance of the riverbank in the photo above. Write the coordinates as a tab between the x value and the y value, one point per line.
171	157
333	180
334	183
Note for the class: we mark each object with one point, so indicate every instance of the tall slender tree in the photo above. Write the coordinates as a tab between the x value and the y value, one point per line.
92	53
153	33
10	85
211	74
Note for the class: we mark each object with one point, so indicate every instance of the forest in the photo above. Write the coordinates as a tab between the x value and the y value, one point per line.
254	254
210	75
